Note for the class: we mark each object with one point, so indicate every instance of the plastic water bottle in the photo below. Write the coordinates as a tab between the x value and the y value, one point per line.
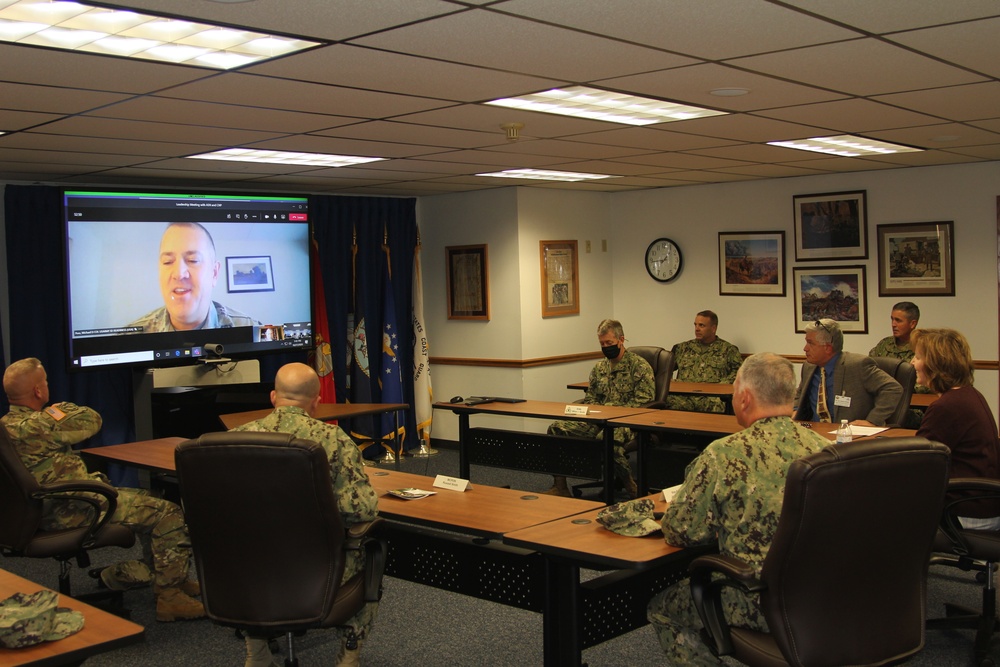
844	432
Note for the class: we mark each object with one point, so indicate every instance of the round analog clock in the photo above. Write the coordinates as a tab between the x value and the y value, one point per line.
663	260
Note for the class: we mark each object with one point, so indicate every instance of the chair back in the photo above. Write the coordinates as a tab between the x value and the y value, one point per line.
905	374
846	572
266	530
662	362
21	515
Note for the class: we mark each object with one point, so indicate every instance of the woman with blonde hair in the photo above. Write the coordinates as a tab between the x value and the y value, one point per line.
960	417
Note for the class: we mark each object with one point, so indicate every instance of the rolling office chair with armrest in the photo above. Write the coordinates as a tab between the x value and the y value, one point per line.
21	534
661	361
970	549
844	582
905	374
268	538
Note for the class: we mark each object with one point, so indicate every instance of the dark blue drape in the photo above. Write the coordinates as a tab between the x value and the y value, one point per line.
336	220
38	309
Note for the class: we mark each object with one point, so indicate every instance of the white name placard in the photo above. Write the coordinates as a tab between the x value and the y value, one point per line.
576	409
453	483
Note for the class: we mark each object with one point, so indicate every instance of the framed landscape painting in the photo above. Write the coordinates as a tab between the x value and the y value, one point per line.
916	259
752	263
831	226
834	292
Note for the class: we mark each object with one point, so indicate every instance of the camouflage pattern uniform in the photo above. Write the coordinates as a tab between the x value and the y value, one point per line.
695	362
219	317
629	383
887	348
732	493
356	498
44	442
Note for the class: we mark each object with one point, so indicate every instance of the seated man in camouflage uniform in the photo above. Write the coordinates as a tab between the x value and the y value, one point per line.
188	273
705	358
732	494
295	399
903	318
44	437
622	379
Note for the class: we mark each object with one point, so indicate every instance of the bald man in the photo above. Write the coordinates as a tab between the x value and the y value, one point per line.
43	437
295	399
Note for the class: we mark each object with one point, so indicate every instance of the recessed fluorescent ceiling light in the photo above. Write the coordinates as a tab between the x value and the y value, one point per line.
845	145
544	175
583	102
78	27
284	157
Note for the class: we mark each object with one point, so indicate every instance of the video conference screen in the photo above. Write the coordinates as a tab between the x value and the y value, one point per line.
154	277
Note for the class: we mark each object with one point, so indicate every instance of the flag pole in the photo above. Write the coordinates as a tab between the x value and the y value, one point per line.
423	394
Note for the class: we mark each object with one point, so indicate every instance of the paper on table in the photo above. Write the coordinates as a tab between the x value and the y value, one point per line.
861	431
411	493
668	494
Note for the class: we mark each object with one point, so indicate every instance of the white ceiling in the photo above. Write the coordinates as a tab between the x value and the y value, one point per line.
407	79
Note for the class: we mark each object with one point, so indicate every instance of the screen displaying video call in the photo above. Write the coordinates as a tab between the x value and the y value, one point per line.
152	278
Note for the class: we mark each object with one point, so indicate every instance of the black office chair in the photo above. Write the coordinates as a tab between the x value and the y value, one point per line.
970	550
844	582
905	374
21	509
268	538
661	361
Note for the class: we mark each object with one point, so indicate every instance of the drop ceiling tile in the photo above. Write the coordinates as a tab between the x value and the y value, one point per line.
683	161
990	152
26	156
560	148
89	126
516	45
894	15
771	170
694	84
962	103
484	118
726	28
975	45
424	134
57	142
18	96
749	128
850	116
371	69
652	138
862	67
11	121
311	143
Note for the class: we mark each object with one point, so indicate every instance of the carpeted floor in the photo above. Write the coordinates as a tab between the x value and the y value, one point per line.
418	625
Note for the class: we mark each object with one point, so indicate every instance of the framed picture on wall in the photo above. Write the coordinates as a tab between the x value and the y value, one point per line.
468	282
916	259
831	226
835	292
752	263
249	274
560	278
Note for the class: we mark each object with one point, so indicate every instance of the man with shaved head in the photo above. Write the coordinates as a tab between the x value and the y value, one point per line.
295	399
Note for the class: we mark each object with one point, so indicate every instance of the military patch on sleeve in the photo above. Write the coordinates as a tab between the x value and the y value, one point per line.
55	413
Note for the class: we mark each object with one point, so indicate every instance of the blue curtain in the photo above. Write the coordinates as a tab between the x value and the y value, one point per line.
38	309
337	221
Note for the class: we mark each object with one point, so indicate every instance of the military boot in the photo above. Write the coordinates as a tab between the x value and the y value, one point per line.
126	575
191	587
559	487
173	604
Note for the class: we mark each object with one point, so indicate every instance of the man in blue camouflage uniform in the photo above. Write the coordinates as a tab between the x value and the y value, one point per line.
188	273
622	379
44	437
705	358
732	494
295	398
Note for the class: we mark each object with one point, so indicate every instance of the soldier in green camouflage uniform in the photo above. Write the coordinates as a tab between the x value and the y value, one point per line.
903	319
621	379
44	436
295	398
188	272
732	494
705	358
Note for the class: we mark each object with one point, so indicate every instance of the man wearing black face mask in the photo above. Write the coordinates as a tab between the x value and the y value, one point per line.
622	379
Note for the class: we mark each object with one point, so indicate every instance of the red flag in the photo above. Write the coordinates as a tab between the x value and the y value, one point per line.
322	360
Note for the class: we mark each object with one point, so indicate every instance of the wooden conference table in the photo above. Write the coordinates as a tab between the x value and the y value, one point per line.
458	541
101	631
538	452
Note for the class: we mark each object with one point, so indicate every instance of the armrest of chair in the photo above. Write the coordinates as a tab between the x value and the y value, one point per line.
985	488
707	594
376	550
72	490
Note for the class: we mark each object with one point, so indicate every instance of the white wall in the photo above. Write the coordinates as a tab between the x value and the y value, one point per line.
615	283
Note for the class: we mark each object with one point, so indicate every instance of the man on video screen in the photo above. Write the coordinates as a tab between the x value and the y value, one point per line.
188	273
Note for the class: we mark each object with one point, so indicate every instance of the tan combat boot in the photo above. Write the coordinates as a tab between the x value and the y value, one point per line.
559	487
190	587
347	657
173	604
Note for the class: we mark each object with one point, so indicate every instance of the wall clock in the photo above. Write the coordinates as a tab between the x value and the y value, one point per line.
663	260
